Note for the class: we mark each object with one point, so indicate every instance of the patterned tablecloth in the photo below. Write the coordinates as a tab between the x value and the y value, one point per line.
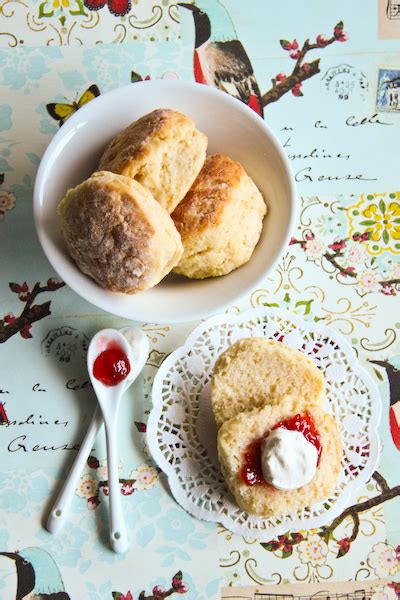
327	80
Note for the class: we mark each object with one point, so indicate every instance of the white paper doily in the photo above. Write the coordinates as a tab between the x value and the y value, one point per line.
182	432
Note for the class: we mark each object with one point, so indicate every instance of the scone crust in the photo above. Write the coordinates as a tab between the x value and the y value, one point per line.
263	500
118	234
219	220
204	204
134	142
137	151
255	371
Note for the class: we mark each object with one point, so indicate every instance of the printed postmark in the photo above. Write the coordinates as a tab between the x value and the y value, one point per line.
345	81
65	343
388	90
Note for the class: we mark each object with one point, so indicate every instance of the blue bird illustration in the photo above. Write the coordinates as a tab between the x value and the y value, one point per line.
219	57
392	367
38	577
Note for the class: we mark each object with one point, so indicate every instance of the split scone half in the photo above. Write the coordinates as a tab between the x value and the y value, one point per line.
162	150
256	371
235	437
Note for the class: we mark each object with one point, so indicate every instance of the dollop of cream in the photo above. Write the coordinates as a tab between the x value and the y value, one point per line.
288	460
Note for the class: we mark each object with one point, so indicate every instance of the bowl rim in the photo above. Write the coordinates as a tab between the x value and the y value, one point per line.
79	116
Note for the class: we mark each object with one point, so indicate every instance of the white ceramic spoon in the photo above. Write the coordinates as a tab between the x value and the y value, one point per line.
109	398
139	352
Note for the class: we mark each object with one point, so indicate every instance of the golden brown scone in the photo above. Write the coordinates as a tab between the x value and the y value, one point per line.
236	434
162	150
255	371
220	220
118	234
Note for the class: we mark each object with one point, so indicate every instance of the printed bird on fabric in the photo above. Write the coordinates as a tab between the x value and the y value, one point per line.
392	367
38	577
3	415
219	57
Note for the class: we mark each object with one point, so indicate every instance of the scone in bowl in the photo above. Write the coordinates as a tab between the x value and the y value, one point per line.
232	128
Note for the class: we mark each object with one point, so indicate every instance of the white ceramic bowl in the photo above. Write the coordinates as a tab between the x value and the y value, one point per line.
232	128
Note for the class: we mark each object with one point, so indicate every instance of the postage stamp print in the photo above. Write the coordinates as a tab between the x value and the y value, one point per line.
388	19
388	90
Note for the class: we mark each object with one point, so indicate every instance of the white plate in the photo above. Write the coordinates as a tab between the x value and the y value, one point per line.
182	433
232	128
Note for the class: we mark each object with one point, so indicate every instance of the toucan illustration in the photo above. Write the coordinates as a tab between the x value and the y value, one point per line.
392	367
220	62
38	577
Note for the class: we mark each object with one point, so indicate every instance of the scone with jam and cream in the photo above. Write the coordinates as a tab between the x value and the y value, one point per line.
281	458
279	450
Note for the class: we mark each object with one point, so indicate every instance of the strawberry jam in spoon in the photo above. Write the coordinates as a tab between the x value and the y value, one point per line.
112	365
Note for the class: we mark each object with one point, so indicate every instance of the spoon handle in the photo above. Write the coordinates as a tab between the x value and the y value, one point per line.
118	536
61	505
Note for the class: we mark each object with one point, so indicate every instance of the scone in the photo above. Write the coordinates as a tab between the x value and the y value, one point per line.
254	371
244	432
162	150
118	234
220	220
